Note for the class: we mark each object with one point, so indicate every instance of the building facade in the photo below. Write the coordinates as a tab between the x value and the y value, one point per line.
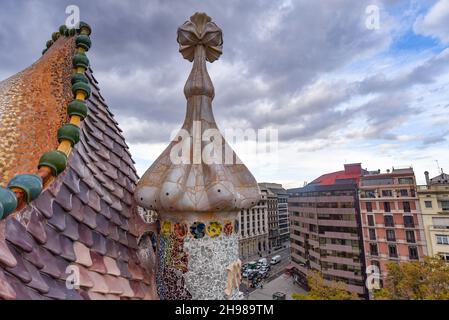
279	224
326	229
434	202
391	218
253	238
273	220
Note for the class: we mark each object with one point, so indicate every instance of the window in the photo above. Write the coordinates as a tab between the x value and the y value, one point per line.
387	207
440	223
445	256
406	206
391	236
408	222
413	253
369	207
387	193
428	204
410	236
405	180
388	221
445	205
373	249
403	192
372	234
392	251
370	220
442	239
370	194
377	182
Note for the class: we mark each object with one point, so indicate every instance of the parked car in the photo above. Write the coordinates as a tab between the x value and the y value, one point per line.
263	273
263	261
253	275
265	268
279	296
276	259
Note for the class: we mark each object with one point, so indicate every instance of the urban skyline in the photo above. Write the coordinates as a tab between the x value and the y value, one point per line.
378	97
314	169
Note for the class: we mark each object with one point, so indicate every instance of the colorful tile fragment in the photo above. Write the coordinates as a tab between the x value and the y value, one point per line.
197	229
166	228
228	228
214	229
180	230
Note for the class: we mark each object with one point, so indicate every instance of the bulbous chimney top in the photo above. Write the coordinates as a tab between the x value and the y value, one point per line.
198	172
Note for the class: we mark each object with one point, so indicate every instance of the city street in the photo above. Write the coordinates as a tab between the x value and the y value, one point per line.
283	283
276	270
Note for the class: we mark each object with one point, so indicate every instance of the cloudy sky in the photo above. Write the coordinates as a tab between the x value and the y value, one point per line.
336	89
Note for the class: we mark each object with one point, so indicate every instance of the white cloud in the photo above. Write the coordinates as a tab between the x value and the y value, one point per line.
435	23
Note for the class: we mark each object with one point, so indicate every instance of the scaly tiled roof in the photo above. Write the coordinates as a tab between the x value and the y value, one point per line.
84	222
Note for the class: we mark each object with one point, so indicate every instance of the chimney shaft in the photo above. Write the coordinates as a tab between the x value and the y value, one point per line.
426	174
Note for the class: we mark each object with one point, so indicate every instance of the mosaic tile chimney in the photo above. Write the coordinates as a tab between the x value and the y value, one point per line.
197	186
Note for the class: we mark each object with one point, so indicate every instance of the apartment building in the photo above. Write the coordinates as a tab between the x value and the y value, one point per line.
279	221
326	229
391	218
434	202
273	218
253	239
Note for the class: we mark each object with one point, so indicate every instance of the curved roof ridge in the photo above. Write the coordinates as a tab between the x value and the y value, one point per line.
85	223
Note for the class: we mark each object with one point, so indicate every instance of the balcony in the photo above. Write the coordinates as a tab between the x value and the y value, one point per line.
340	260
338	223
339	247
439	227
336	210
315	265
315	254
340	235
297	237
342	273
298	247
314	243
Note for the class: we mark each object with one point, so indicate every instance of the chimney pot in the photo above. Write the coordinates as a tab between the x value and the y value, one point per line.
426	174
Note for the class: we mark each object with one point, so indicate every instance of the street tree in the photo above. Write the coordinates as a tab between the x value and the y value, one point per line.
321	289
427	279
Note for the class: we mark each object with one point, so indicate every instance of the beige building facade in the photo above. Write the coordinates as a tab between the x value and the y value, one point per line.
434	202
253	237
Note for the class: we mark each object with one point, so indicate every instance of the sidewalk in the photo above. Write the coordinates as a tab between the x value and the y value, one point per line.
283	284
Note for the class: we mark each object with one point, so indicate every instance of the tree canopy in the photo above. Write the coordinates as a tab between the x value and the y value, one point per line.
320	289
427	279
